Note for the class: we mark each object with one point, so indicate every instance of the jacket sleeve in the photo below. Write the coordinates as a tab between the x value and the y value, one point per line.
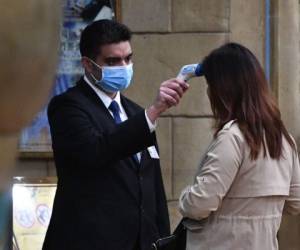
215	176
75	135
292	203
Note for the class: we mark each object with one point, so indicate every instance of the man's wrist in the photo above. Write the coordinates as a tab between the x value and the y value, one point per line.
152	125
152	113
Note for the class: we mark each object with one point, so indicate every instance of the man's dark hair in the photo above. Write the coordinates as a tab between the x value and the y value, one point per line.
100	33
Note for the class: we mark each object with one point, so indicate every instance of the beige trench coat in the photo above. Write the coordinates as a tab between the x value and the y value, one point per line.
236	203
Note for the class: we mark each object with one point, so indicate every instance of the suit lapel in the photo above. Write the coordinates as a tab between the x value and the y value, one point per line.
128	107
90	93
95	99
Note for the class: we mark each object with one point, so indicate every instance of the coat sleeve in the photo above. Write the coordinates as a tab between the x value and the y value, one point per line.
214	178
75	135
292	203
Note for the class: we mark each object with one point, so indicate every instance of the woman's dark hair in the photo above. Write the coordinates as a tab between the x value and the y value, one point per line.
100	33
238	89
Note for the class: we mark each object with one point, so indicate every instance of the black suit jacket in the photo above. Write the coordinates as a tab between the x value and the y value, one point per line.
104	199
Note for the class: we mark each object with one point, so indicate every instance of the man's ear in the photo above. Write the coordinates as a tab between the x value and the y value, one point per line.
86	63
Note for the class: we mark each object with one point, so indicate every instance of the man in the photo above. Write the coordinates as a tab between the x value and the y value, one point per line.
110	192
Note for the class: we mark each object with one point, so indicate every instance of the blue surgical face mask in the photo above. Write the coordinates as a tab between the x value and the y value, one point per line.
114	78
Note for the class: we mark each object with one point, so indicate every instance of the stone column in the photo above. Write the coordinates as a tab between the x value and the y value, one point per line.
285	68
285	79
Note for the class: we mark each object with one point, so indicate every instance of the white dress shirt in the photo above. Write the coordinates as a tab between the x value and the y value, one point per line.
107	101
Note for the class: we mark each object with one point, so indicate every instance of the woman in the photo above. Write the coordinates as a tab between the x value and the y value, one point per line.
250	173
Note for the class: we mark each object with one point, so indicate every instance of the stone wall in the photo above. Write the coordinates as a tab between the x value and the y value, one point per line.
171	33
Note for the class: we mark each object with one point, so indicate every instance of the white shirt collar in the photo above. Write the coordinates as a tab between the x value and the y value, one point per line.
104	97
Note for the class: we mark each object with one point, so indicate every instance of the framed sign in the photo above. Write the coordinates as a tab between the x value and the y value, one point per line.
32	208
35	140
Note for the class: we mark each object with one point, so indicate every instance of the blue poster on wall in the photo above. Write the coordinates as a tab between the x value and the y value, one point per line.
77	14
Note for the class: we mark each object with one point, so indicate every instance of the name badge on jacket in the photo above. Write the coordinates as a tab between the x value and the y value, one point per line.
153	152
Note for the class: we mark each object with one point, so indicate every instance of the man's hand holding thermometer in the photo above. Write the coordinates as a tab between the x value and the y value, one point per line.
172	90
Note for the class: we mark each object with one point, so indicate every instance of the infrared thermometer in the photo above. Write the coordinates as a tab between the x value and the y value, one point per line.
190	70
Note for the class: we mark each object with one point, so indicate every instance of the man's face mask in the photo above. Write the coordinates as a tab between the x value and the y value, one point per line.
114	78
